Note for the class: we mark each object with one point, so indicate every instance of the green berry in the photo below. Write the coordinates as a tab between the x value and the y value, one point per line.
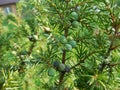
68	47
72	43
70	38
63	39
61	67
74	16
75	24
51	71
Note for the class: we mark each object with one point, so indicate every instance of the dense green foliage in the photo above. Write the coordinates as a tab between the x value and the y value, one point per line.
61	45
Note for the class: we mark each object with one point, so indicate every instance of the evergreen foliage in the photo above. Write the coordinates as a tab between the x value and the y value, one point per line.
61	45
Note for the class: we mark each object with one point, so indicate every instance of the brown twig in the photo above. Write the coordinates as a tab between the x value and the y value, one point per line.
115	47
63	59
111	47
118	63
31	48
22	64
